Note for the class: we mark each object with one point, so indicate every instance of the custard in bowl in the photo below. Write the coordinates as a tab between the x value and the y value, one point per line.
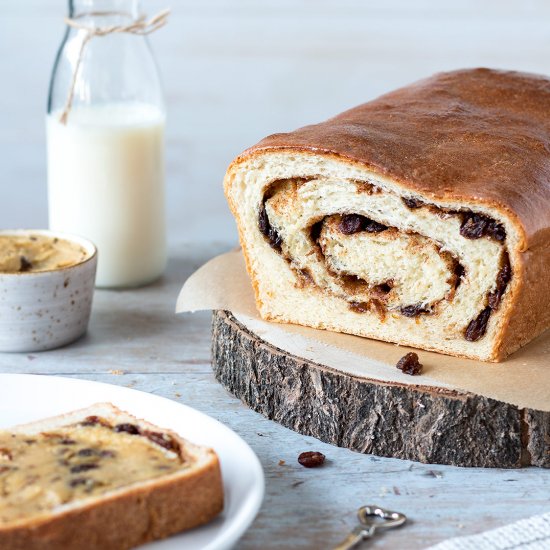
46	289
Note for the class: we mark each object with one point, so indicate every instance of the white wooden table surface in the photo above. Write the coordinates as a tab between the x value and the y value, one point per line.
136	332
234	71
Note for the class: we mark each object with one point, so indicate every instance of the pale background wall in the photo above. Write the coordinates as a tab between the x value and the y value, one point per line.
236	70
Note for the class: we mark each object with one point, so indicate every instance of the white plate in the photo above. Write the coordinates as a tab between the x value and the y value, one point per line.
27	397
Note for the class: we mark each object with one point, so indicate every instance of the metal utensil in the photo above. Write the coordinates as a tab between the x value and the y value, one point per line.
371	518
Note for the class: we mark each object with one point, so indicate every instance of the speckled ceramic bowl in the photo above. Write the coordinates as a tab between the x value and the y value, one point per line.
48	309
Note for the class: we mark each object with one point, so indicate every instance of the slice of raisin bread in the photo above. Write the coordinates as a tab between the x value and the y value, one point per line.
99	478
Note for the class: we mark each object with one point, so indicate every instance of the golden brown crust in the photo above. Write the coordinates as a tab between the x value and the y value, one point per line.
479	134
528	313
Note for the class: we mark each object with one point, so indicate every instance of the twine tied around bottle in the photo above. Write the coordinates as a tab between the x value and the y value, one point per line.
140	26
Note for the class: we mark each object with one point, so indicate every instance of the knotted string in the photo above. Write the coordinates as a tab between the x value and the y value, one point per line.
138	26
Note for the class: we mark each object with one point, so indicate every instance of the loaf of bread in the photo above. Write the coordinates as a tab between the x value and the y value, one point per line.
421	218
100	479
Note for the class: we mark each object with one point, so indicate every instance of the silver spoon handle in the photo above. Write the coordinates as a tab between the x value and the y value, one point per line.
371	518
356	537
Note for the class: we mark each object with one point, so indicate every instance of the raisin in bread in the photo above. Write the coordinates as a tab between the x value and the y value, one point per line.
100	478
422	217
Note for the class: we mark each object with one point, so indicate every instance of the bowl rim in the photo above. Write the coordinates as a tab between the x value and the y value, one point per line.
88	245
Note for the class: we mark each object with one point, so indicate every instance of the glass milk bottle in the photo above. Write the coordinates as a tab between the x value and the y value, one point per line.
105	137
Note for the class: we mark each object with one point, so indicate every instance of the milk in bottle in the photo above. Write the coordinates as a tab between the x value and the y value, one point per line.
106	182
105	138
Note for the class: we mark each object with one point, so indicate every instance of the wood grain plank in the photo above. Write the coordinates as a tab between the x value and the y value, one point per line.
411	421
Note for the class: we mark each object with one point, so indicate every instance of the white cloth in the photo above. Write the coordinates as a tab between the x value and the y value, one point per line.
527	534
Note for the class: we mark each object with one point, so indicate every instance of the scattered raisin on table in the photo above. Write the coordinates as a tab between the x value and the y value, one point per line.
409	364
311	459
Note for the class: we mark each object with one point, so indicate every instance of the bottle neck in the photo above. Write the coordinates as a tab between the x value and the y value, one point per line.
105	12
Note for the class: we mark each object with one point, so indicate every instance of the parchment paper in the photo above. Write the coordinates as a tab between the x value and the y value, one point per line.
522	380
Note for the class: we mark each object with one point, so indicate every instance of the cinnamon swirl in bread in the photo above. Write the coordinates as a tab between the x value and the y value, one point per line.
422	217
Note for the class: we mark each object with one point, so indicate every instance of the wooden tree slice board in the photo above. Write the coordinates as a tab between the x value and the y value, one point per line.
413	422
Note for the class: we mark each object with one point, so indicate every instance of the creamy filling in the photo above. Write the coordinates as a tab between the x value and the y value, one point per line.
35	253
39	473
